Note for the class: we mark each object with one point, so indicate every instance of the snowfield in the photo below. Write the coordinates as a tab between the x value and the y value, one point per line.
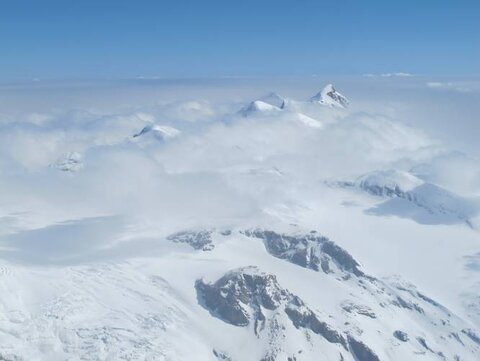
226	222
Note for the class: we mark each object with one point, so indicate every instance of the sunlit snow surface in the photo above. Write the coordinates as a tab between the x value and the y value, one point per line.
172	220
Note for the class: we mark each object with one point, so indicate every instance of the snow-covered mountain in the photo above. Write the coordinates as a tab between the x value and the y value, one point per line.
330	97
287	296
160	132
214	235
410	196
274	99
274	106
289	328
258	107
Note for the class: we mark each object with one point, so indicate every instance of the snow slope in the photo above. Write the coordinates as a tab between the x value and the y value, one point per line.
414	198
213	300
161	132
214	235
274	99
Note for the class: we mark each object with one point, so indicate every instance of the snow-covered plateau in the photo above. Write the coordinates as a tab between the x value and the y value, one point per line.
240	221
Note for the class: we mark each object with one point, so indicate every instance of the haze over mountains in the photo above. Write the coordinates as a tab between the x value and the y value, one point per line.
235	221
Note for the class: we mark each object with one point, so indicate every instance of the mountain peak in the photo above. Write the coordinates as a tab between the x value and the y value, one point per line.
274	99
161	132
329	96
258	106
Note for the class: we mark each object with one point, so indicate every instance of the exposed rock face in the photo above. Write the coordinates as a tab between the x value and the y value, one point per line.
70	162
303	317
221	356
385	191
400	335
430	198
388	183
287	328
400	302
199	240
472	335
329	96
423	342
361	351
354	308
309	250
245	296
239	296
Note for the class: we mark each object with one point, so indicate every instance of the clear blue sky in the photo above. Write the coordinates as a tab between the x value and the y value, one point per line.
178	38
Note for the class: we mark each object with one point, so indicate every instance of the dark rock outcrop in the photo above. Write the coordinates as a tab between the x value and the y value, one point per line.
199	240
243	297
309	250
239	296
303	317
361	351
354	308
221	356
472	335
400	335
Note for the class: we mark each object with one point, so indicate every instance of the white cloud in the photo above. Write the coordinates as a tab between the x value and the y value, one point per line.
389	75
455	86
219	167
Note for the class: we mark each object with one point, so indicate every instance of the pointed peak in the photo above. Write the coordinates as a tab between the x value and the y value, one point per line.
329	96
257	106
274	99
328	88
161	132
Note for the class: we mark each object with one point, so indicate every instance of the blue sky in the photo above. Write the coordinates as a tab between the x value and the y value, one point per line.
55	39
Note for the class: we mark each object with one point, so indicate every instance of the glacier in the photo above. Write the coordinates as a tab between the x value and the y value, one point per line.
224	221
